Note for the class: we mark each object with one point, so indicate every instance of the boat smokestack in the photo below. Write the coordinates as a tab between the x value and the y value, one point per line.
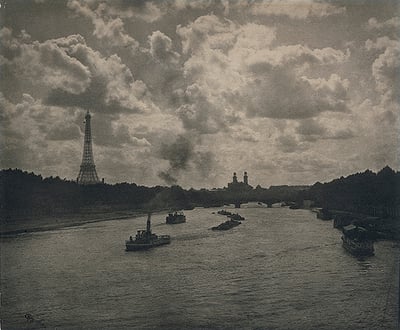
148	227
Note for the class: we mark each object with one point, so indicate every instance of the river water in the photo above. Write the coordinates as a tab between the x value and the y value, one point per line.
280	269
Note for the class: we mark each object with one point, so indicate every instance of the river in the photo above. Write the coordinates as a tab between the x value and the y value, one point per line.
280	269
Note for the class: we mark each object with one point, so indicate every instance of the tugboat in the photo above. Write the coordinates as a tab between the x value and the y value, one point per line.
176	217
356	241
145	239
227	225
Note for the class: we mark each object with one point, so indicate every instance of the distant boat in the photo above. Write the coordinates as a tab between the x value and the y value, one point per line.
227	225
224	212
176	217
236	216
356	240
145	239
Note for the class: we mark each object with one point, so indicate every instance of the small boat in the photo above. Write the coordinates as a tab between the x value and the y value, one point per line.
145	239
357	241
176	217
227	225
224	212
236	216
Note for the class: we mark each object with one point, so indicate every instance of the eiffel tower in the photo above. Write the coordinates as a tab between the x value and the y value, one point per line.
87	173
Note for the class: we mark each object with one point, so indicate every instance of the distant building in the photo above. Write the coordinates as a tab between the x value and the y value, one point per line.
237	186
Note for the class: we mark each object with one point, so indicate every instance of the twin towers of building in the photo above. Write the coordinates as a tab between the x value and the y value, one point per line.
245	178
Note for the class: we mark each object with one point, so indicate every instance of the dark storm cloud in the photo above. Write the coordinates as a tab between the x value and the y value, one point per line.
178	153
183	156
167	177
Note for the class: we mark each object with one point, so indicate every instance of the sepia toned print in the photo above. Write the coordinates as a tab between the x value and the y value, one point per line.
203	164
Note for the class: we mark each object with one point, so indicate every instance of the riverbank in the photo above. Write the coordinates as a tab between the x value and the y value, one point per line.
386	228
30	224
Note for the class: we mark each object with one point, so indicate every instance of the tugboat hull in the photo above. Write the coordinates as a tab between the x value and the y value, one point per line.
132	246
359	249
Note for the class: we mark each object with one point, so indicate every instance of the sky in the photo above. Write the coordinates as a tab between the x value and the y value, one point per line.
188	92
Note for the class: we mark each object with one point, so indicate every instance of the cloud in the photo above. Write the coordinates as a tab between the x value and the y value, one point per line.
247	134
293	55
386	69
310	127
141	10
46	63
113	88
161	48
239	70
289	144
206	31
188	4
386	66
63	132
108	29
388	26
311	130
114	133
281	94
183	156
198	113
299	9
33	136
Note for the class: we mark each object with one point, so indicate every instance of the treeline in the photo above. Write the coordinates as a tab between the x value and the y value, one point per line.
24	193
376	194
28	193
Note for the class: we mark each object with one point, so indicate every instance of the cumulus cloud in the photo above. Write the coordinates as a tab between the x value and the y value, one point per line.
110	30
240	70
198	113
281	94
113	88
386	69
45	62
161	48
386	66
